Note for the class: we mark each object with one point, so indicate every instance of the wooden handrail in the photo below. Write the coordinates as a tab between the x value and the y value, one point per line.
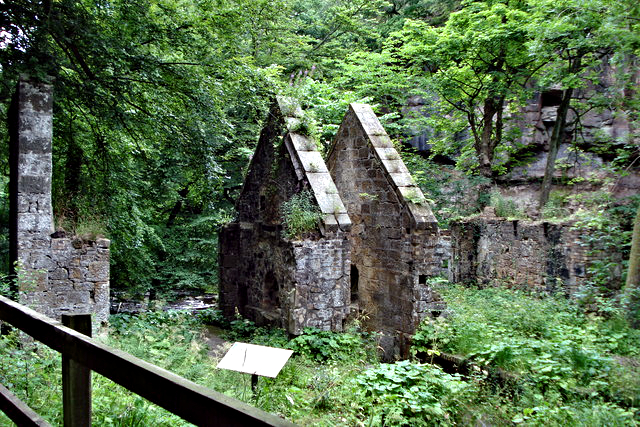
192	402
18	412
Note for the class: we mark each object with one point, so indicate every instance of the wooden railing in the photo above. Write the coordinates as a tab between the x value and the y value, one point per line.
194	403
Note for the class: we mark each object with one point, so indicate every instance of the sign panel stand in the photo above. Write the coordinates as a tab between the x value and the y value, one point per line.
257	360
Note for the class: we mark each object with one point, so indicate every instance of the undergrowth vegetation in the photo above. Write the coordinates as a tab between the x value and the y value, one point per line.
563	359
567	368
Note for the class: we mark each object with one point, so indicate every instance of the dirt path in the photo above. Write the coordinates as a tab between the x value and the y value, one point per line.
217	346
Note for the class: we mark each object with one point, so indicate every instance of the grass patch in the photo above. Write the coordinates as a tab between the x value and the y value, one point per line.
300	215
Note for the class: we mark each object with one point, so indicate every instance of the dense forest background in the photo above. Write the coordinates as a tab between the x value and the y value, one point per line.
159	103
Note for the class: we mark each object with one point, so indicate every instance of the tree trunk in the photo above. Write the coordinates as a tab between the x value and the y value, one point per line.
556	140
632	288
485	154
554	145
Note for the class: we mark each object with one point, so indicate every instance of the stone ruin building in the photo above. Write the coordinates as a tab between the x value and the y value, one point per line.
56	275
273	280
372	252
378	242
395	244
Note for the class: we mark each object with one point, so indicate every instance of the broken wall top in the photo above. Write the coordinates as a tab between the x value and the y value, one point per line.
393	167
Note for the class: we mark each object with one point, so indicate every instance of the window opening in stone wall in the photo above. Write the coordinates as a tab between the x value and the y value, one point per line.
355	279
422	279
271	292
551	98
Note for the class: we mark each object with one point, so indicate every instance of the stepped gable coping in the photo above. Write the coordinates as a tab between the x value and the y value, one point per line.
310	166
397	173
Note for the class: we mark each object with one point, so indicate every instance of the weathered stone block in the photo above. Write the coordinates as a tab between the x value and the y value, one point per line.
59	274
103	243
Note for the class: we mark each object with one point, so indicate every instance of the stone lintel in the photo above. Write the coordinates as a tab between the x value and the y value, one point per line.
302	143
402	179
368	119
394	166
312	161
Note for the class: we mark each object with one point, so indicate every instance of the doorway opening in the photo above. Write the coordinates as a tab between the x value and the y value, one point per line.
355	279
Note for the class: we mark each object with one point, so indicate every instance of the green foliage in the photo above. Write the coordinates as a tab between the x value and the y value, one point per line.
324	105
560	354
608	226
453	194
327	346
5	285
4	224
505	207
155	103
85	227
307	125
350	387
407	393
475	62
33	373
300	215
555	208
159	105
172	340
212	316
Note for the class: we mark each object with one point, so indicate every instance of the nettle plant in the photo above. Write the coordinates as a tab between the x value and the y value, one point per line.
406	393
327	346
300	215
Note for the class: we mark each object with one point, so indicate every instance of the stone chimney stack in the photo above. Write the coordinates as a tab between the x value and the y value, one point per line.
56	275
30	128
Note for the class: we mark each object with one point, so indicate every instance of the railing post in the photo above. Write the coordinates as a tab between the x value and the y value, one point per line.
76	378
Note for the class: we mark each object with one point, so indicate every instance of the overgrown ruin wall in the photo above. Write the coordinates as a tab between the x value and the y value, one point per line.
290	284
538	256
55	275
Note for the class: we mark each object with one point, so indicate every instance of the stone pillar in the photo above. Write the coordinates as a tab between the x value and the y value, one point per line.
30	128
58	275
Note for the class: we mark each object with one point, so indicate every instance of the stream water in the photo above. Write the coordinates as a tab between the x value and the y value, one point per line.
192	302
188	302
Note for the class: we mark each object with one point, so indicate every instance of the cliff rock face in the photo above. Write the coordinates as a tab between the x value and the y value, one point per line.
599	124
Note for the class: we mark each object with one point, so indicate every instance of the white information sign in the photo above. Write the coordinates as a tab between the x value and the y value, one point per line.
255	359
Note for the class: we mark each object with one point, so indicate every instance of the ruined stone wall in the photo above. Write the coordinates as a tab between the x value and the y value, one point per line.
290	284
390	255
71	276
431	253
272	280
538	256
56	275
322	296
